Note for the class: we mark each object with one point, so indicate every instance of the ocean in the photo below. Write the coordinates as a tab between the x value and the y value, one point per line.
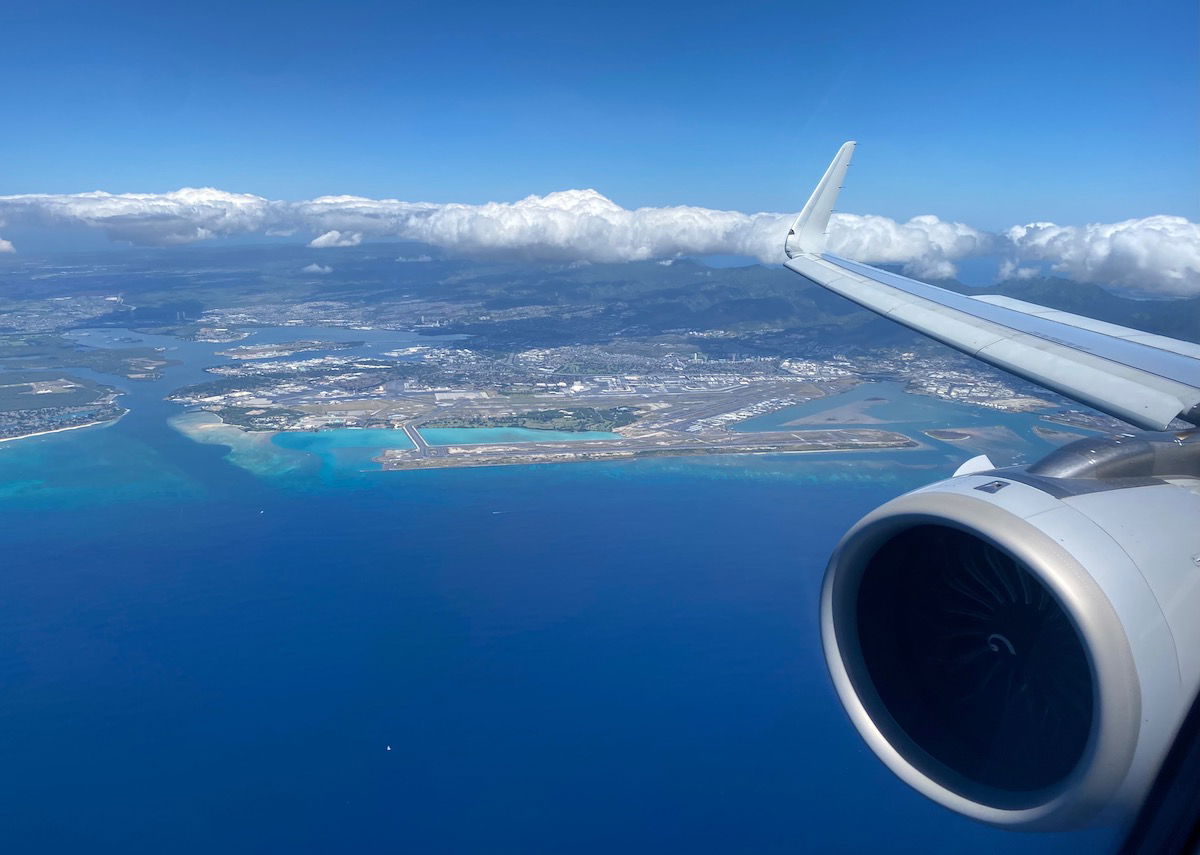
284	649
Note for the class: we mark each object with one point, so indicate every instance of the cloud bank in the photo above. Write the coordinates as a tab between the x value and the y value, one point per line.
1158	254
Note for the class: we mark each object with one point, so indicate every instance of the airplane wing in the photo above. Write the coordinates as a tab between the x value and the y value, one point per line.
1147	380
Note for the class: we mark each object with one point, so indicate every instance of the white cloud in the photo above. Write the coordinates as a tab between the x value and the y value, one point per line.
1155	254
585	225
415	259
568	225
1158	254
1009	269
317	268
925	245
6	246
181	216
335	238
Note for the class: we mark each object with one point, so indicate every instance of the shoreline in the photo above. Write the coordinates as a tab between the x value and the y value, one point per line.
607	457
256	451
461	457
105	422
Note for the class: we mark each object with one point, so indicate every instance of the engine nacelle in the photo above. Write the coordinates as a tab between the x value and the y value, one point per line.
1021	647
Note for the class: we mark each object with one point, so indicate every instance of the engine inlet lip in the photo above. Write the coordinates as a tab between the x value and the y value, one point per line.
1116	703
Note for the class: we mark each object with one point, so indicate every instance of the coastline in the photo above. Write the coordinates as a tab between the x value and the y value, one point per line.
257	452
390	465
252	450
832	440
104	423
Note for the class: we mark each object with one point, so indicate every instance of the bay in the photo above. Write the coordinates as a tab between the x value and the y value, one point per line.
200	656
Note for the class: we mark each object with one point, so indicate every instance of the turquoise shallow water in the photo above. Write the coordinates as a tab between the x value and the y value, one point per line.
345	438
350	449
483	436
584	658
343	449
1007	437
894	406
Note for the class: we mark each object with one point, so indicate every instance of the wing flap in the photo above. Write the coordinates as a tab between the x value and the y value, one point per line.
1123	375
1147	401
1162	342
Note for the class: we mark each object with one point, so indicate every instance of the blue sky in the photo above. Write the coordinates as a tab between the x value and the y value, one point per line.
992	114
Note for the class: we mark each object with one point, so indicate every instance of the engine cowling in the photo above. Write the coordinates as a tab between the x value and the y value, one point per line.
1017	647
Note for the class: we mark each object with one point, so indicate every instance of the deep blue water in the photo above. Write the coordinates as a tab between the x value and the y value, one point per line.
589	658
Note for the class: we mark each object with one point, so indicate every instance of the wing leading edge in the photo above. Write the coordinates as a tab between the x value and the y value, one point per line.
1145	379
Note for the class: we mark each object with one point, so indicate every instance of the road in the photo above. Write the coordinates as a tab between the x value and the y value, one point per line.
420	447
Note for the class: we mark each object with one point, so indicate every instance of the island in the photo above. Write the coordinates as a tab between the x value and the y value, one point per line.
425	456
947	435
58	352
33	403
290	348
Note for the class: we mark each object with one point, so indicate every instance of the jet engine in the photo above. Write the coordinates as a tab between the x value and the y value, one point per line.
1021	645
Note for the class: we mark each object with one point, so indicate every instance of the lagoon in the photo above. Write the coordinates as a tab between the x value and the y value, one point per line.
484	436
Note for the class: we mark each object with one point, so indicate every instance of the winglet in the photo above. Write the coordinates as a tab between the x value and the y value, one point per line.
808	233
